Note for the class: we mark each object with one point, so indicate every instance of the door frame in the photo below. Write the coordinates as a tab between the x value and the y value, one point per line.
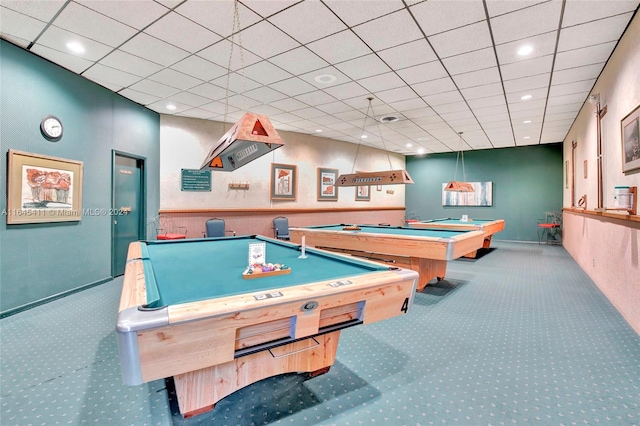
142	215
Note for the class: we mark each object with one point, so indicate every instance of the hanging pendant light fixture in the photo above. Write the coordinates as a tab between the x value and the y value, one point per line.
251	137
390	177
456	185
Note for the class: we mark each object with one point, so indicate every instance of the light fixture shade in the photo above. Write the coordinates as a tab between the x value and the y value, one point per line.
389	177
457	186
250	138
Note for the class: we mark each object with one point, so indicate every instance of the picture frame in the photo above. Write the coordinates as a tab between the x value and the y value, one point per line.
42	189
284	181
363	193
481	197
630	132
327	189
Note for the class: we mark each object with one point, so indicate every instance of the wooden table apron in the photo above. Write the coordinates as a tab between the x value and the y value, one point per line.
424	251
487	226
216	346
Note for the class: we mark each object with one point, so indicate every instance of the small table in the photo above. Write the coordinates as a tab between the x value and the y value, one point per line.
423	250
186	312
487	226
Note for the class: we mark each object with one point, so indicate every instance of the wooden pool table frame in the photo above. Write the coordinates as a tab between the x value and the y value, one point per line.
214	347
426	255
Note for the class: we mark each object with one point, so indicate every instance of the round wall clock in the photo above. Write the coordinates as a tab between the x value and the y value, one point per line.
51	128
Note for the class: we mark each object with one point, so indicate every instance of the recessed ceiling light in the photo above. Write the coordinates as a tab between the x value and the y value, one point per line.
318	130
389	118
364	137
422	138
325	78
421	151
171	107
409	145
527	137
527	121
75	47
526	97
525	50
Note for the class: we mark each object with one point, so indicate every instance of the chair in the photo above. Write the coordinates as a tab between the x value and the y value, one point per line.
281	227
215	227
549	228
166	229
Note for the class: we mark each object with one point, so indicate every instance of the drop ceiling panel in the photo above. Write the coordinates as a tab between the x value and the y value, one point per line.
527	68
477	78
217	16
534	82
265	94
266	73
183	33
482	91
577	12
381	82
528	22
461	40
319	22
439	16
71	62
364	66
389	30
265	40
542	45
350	47
221	52
587	72
20	26
408	54
110	76
139	97
293	86
299	61
592	33
154	50
352	12
472	61
137	14
434	87
175	79
190	99
57	38
586	56
43	11
209	91
126	62
200	68
347	91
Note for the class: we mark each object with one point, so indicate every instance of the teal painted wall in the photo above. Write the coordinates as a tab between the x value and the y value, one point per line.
527	182
38	261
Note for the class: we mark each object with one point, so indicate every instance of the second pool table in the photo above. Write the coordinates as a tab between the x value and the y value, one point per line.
423	250
186	311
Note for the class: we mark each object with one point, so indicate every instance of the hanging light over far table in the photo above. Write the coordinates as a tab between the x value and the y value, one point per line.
455	185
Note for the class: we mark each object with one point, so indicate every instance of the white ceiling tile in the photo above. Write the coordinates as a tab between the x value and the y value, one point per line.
236	82
179	31
326	120
217	16
555	109
352	12
477	78
409	105
534	20
267	8
190	99
492	101
71	62
266	73
439	16
536	95
585	56
209	90
434	86
527	68
124	61
583	86
482	91
581	11
154	50
423	111
311	77
354	116
156	89
293	86
424	72
443	98
18	25
389	30
91	24
220	108
334	107
57	39
472	61
486	113
500	7
542	44
43	11
308	113
265	40
176	79
135	13
196	113
350	47
364	66
346	91
265	95
533	82
220	52
284	118
453	108
110	76
319	22
398	94
138	97
267	110
591	33
573	99
408	54
381	82
161	107
20	42
289	104
241	102
587	72
535	115
461	40
537	104
315	98
299	61
200	68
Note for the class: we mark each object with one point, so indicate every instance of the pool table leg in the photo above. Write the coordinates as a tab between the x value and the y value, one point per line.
199	391
428	270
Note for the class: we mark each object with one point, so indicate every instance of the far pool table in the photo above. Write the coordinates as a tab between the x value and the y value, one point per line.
187	312
423	250
487	226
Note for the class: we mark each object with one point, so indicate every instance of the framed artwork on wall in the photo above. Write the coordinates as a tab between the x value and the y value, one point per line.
327	190
43	189
362	193
283	181
630	127
481	197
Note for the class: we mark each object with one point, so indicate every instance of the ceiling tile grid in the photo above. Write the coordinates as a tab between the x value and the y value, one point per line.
441	67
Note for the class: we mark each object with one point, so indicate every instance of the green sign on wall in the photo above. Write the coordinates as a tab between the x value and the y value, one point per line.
196	180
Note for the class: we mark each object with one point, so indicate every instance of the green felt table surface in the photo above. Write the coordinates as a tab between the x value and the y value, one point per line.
191	270
393	230
458	221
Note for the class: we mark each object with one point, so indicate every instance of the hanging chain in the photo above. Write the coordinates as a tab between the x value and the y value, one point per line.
353	168
235	28
381	137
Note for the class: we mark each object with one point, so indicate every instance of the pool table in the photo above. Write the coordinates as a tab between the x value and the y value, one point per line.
187	311
487	226
423	250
